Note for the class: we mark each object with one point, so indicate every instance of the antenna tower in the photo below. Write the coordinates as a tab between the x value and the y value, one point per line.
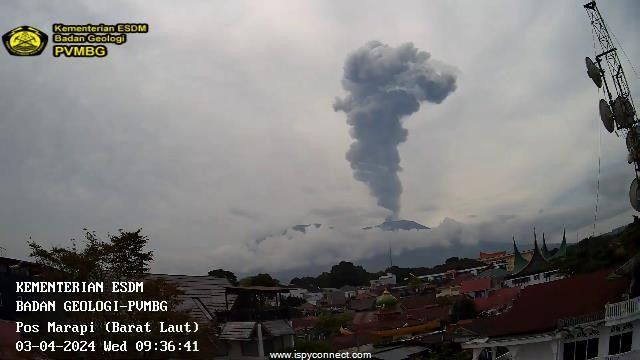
618	112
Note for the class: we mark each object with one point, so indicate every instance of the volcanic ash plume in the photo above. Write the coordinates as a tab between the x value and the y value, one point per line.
385	84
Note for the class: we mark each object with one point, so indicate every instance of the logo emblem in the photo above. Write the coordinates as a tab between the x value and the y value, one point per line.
25	41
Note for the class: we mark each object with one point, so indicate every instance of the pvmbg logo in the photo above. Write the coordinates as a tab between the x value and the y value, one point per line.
25	41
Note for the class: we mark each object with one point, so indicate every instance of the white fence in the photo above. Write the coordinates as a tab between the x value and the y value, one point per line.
622	309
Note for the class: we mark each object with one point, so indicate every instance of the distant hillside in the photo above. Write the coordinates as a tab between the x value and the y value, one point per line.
346	273
604	251
415	258
433	255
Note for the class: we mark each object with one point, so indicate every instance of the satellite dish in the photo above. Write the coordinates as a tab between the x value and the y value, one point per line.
623	112
606	115
634	195
594	72
633	145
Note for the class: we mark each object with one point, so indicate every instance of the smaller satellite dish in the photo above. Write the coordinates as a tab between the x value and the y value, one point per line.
623	112
633	145
594	72
634	195
606	115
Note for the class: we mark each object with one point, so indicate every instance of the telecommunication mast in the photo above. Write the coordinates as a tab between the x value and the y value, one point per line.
617	111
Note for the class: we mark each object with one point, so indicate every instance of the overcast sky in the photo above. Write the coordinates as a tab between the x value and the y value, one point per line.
217	128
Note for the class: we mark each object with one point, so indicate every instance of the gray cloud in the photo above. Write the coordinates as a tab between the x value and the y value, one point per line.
386	84
243	213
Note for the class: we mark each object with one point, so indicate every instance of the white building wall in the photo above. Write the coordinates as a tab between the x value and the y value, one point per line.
297	293
603	343
537	351
313	298
636	336
389	279
350	294
532	280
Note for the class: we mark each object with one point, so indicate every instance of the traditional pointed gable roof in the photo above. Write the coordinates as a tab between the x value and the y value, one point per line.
562	251
545	250
519	262
536	265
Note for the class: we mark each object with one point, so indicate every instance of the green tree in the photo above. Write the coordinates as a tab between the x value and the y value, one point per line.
344	273
452	260
601	252
463	309
305	282
414	282
259	280
220	273
122	258
329	324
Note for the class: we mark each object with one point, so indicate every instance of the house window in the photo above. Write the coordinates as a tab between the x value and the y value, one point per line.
536	277
250	348
581	349
620	343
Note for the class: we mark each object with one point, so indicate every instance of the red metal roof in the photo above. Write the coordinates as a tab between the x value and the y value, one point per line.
539	307
362	296
499	299
418	301
437	313
458	280
477	284
370	320
300	324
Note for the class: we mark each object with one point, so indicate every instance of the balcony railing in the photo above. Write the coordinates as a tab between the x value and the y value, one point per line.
622	310
506	356
579	320
631	355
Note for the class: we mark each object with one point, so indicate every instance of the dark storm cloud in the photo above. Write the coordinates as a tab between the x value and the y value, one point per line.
386	84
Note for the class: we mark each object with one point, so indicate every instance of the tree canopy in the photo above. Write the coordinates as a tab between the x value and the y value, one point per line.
122	258
221	273
262	279
603	251
344	273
